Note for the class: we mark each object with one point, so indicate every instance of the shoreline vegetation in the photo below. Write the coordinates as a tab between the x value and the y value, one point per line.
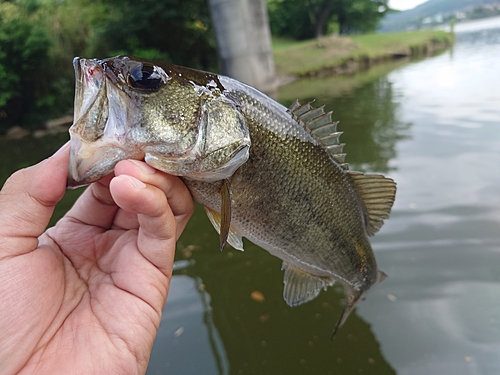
333	55
327	56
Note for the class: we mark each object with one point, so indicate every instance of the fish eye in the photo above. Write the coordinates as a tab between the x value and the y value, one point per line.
144	77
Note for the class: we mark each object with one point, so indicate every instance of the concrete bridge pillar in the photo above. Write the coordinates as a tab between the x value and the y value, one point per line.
244	42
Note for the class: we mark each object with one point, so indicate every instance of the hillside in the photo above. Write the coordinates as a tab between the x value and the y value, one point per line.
436	11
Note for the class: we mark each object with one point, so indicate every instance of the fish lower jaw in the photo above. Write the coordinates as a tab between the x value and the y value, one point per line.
90	162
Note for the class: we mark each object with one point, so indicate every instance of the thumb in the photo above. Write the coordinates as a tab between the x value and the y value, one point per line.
27	202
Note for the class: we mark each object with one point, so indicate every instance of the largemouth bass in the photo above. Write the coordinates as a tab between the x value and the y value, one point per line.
274	175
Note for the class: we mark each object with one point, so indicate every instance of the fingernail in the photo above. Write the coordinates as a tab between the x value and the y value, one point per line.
136	183
145	168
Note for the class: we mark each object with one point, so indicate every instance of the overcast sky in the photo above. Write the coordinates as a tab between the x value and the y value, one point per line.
405	4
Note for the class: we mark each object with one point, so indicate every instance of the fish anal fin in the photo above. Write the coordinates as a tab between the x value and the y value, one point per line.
353	296
233	238
300	286
321	128
346	311
377	193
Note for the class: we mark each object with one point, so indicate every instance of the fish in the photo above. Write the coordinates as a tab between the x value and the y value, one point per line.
274	175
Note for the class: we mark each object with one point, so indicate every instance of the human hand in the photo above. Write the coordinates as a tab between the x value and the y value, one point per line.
86	296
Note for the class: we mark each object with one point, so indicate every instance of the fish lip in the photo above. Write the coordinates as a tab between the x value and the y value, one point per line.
76	178
76	66
74	184
89	162
78	173
89	80
94	151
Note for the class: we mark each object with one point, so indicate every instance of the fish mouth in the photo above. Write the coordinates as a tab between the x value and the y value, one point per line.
90	162
98	134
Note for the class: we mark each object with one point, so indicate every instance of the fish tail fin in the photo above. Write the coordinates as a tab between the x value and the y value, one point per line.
346	311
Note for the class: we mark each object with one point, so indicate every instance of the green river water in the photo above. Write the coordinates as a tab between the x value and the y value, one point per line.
433	126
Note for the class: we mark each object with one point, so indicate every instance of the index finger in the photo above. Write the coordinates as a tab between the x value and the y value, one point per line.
178	196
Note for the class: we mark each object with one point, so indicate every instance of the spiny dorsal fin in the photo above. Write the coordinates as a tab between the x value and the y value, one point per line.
378	193
300	286
321	127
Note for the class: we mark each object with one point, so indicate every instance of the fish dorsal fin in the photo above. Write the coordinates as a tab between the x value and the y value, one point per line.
300	286
378	193
321	127
233	238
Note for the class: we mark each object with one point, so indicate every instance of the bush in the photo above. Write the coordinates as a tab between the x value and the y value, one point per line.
40	38
23	57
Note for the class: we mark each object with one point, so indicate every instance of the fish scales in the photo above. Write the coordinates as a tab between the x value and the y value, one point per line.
293	177
273	175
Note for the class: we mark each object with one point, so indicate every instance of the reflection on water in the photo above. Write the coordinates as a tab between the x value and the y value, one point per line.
434	127
188	329
365	106
266	336
441	246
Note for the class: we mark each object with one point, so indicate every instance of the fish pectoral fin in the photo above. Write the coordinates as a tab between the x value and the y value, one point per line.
225	213
378	194
233	238
300	286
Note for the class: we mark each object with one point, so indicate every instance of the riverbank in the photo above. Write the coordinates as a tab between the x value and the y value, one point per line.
51	127
330	55
341	54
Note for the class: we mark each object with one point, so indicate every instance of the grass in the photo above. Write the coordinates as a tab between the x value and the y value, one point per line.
340	53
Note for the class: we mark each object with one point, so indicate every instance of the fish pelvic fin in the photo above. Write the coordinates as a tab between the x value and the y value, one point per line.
300	286
377	193
233	237
321	127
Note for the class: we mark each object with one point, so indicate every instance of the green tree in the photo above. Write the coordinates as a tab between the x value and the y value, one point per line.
178	31
305	19
23	57
40	38
358	16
